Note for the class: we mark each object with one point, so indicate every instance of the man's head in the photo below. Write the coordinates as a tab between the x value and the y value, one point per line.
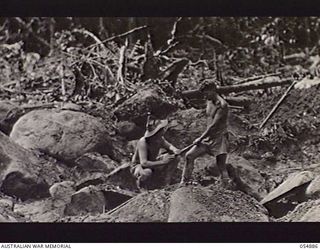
156	129
209	89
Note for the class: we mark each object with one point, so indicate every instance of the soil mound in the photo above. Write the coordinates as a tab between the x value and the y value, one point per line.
196	204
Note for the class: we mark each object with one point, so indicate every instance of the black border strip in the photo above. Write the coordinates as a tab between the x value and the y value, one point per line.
161	232
159	8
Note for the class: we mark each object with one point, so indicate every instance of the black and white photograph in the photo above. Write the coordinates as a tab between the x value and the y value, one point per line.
159	119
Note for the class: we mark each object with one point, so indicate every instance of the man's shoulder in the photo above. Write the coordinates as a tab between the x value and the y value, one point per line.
142	141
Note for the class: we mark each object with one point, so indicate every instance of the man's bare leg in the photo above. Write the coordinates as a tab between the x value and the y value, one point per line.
191	155
221	163
143	174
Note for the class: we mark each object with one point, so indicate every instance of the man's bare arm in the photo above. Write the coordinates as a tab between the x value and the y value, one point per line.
221	112
143	156
167	145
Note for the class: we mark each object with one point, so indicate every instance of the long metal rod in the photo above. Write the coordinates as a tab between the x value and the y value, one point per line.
277	105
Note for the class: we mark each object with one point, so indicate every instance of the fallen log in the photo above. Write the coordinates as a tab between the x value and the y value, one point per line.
252	78
294	56
238	101
232	100
264	83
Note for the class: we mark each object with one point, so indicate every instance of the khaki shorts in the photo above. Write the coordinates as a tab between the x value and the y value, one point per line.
218	145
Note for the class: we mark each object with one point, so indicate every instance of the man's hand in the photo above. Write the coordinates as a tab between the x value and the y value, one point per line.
197	141
176	151
168	159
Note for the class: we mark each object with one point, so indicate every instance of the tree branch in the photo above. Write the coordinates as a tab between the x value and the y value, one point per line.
93	36
118	36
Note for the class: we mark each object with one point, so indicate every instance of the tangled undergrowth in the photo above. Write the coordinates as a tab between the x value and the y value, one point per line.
99	74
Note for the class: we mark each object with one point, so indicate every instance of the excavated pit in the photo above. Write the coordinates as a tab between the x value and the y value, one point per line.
114	198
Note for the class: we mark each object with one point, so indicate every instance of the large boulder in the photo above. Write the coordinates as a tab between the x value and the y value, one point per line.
305	212
7	213
214	204
87	200
23	174
122	151
63	134
61	193
95	162
313	189
246	176
293	181
286	196
187	126
148	99
129	130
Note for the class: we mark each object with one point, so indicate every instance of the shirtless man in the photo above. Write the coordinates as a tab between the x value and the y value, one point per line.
214	140
146	159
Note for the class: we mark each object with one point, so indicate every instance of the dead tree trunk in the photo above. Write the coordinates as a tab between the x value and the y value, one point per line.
232	100
172	71
264	83
240	101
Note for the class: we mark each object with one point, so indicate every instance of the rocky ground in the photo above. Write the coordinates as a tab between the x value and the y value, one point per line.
64	164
